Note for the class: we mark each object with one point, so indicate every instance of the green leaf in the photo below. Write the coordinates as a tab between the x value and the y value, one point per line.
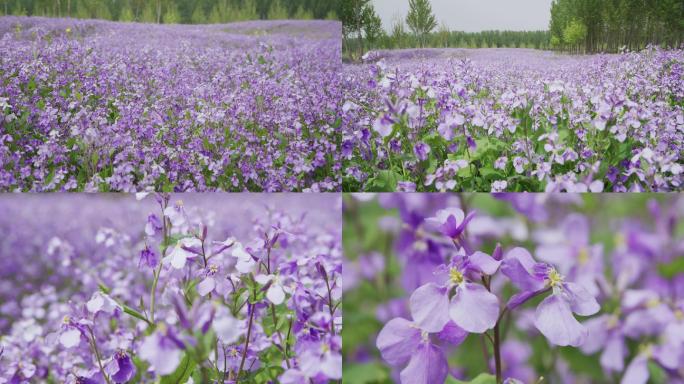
482	378
364	373
130	311
182	373
657	374
385	181
672	269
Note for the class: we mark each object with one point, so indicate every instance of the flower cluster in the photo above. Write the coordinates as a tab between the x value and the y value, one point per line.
514	120
178	293
520	285
99	106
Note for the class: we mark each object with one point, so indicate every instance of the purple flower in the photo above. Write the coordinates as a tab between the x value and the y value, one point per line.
472	306
421	150
162	349
451	221
554	315
121	369
401	341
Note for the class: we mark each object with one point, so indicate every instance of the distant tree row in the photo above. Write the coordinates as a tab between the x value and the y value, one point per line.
174	11
610	25
362	30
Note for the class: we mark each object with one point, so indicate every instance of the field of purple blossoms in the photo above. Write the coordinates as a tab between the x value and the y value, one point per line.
514	120
223	288
513	288
102	106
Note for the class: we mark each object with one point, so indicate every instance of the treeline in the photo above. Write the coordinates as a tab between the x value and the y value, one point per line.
174	11
444	38
611	25
363	31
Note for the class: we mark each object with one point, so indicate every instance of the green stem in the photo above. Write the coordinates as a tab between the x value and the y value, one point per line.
244	351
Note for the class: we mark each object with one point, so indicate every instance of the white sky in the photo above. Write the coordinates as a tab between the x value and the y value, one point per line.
475	15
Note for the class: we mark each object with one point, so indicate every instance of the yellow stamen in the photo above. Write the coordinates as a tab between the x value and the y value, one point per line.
583	256
652	303
456	276
555	278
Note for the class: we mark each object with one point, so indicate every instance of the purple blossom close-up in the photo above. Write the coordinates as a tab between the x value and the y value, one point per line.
89	105
514	288
219	288
495	120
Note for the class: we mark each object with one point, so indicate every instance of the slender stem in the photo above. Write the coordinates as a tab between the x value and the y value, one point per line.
93	343
497	353
244	351
157	271
330	305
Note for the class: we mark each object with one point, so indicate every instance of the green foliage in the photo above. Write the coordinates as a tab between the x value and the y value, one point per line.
420	19
612	25
174	11
574	33
483	378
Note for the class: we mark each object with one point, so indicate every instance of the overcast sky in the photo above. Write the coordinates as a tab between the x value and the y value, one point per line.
476	15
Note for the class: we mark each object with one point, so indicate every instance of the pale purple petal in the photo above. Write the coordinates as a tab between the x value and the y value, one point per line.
473	308
397	341
637	371
581	301
427	366
429	307
484	262
555	321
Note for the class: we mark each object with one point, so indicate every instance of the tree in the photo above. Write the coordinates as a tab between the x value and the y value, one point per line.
351	14
126	14
277	11
372	24
574	33
420	19
172	16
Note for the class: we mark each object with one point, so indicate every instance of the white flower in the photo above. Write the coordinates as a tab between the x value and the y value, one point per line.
70	338
178	255
101	302
245	262
276	292
227	328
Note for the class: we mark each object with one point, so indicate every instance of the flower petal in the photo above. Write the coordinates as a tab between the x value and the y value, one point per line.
205	286
429	307
637	371
397	341
275	294
555	321
427	366
474	309
484	263
582	302
70	338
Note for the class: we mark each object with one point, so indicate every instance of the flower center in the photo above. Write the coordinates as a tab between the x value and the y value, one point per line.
679	315
555	278
424	335
652	303
233	352
420	246
583	256
325	347
213	269
456	276
66	319
620	240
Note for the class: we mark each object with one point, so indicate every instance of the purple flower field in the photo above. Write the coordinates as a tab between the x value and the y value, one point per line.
102	106
222	288
514	288
514	120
